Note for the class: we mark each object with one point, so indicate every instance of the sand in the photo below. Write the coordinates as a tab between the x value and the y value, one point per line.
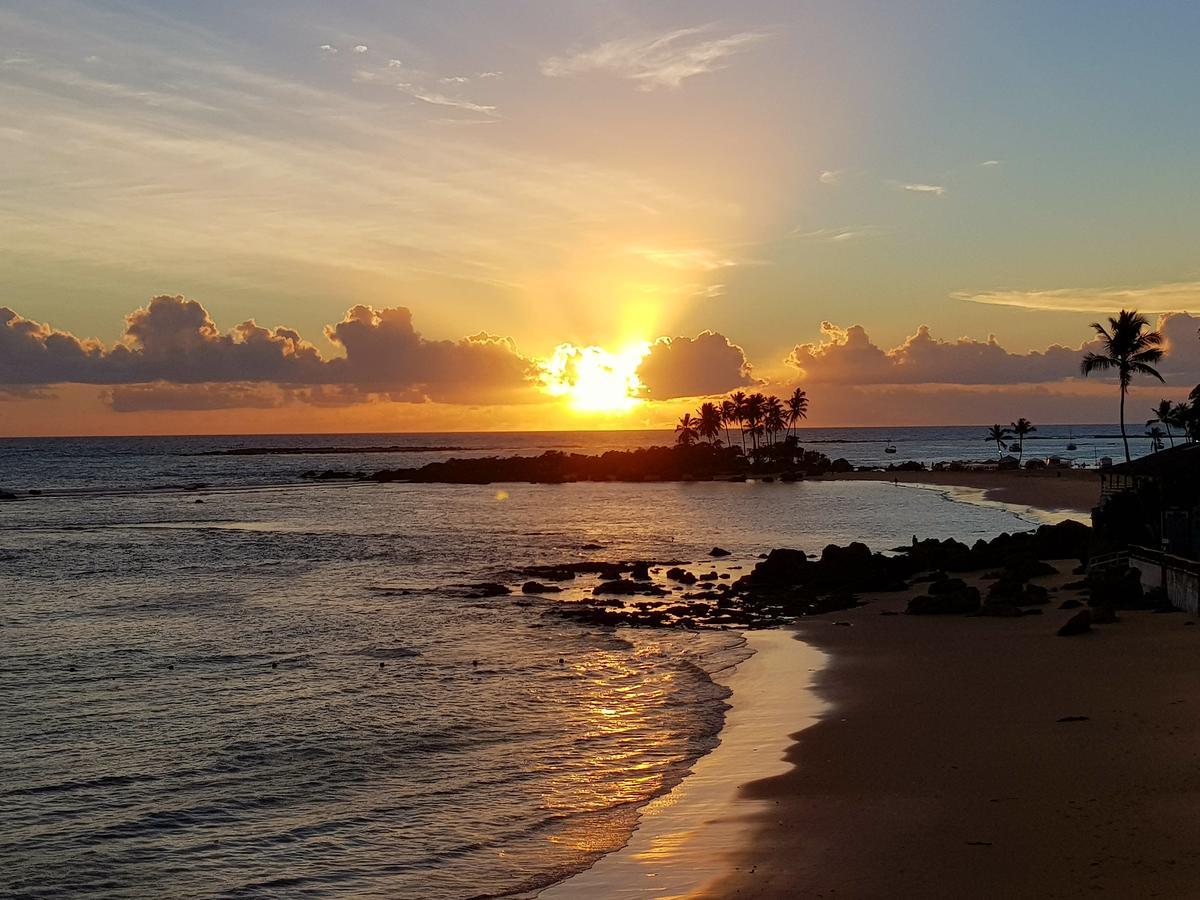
943	768
1059	490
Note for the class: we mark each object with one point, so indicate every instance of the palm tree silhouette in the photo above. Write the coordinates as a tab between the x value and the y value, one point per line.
1130	349
797	409
774	419
998	434
728	417
1164	413
752	412
1020	428
709	422
738	398
1156	437
686	430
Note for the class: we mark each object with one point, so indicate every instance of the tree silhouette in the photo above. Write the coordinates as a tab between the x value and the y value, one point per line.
1129	348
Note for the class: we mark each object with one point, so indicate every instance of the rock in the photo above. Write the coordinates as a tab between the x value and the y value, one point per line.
1070	604
1080	623
681	575
1118	588
640	571
489	589
957	603
781	567
621	586
592	547
718	551
7	495
1104	615
536	587
1036	595
1000	610
947	586
841	465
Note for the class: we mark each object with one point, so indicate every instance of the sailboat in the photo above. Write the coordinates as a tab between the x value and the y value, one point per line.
1071	439
890	448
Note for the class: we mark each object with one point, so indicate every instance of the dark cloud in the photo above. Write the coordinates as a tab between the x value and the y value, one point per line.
849	356
165	396
694	367
173	341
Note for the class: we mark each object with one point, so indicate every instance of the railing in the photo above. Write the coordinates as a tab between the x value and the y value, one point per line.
1119	559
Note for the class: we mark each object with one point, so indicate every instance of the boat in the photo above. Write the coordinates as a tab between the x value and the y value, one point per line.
1071	439
890	448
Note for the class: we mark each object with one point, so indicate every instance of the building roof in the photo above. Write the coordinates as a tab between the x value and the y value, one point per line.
1177	462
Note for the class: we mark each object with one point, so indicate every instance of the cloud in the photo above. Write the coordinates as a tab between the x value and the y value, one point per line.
361	48
1178	296
830	176
163	396
934	190
839	235
173	341
849	356
991	162
693	367
656	61
688	258
328	49
437	99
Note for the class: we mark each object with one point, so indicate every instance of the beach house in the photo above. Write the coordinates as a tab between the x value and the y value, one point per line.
1152	505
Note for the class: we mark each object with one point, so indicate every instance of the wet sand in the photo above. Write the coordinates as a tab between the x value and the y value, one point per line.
943	766
688	838
1059	490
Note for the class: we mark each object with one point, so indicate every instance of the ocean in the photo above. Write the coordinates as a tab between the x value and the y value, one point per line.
288	689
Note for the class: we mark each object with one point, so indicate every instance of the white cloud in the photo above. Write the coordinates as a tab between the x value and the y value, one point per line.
839	235
934	190
1178	296
395	64
991	162
435	99
361	48
830	176
656	61
329	49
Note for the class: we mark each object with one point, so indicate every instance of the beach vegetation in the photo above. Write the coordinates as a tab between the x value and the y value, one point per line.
1130	348
998	434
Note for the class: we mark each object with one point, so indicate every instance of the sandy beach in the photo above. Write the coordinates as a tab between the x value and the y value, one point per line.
1057	490
987	758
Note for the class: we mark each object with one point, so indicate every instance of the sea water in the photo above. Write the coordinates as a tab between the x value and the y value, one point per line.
287	689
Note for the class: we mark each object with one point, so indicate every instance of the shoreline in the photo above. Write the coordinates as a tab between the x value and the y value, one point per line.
1046	493
687	838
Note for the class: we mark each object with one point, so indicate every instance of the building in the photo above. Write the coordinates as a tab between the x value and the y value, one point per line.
1152	505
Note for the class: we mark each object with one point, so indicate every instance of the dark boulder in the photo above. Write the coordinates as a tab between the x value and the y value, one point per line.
947	586
718	551
622	586
681	575
640	571
536	587
1080	623
1118	588
1070	604
956	603
782	567
489	589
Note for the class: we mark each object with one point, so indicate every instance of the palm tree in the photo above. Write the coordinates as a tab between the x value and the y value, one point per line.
739	404
728	417
998	434
686	430
752	411
1156	437
773	416
1130	349
1164	413
709	422
797	409
1186	417
1020	428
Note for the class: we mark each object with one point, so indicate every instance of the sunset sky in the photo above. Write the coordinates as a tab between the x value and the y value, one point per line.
911	209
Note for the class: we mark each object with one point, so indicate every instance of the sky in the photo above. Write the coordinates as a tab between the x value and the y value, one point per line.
421	216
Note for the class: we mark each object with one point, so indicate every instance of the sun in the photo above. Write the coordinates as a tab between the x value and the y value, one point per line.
595	380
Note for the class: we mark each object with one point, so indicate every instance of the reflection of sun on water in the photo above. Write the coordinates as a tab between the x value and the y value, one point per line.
593	379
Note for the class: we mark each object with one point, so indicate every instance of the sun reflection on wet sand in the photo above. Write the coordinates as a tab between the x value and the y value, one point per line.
686	838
